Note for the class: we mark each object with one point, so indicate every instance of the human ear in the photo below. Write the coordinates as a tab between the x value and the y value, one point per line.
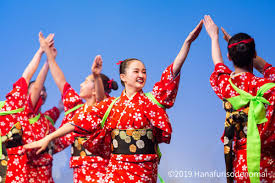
123	77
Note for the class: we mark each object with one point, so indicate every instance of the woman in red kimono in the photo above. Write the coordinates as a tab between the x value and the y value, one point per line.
15	128
135	124
96	87
42	124
249	125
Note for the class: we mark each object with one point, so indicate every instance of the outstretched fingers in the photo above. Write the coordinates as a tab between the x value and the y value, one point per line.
226	36
97	65
211	28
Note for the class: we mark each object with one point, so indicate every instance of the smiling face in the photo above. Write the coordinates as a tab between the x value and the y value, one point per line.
134	76
87	88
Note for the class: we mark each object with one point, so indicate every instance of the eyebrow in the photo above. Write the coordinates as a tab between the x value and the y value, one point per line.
138	69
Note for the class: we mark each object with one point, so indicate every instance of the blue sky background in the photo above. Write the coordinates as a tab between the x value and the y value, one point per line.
152	31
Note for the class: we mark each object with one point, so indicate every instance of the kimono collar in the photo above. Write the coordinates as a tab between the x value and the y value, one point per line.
233	74
125	97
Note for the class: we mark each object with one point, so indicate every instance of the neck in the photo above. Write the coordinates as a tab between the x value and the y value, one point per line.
246	69
130	92
90	101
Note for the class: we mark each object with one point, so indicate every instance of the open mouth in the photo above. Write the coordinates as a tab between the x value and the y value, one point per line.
140	80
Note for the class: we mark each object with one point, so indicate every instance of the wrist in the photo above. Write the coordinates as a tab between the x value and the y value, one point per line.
187	43
40	51
49	137
215	37
96	75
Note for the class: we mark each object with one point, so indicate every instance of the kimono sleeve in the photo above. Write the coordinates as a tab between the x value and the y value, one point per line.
269	72
218	78
70	98
61	143
88	119
17	97
165	91
160	121
53	114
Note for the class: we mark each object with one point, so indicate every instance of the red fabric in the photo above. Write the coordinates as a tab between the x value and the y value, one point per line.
165	91
17	169
41	174
90	171
16	99
132	168
41	165
250	83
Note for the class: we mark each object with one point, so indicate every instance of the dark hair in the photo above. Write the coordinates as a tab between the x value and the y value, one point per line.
107	85
242	54
32	83
123	65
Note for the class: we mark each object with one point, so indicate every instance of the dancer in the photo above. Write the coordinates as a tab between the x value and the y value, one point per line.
249	123
40	166
86	166
15	128
135	124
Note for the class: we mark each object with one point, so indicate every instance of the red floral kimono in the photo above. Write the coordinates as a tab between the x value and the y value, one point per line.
40	166
132	131
87	168
15	132
248	82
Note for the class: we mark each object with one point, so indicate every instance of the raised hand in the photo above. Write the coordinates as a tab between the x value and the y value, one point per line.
195	33
40	144
97	65
226	36
54	51
211	28
50	39
43	43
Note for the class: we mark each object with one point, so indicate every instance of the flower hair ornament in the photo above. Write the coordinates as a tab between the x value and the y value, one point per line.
110	83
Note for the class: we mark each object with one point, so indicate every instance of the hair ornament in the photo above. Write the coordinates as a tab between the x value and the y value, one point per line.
110	83
119	62
243	41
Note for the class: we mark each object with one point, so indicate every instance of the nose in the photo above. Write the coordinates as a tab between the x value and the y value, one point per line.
140	74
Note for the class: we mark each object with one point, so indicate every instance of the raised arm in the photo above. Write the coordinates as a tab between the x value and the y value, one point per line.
96	70
180	59
213	31
32	66
38	85
56	72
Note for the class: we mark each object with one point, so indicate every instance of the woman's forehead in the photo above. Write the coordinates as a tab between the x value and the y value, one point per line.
136	64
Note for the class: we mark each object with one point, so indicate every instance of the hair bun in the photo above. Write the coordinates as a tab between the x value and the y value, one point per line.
114	85
241	47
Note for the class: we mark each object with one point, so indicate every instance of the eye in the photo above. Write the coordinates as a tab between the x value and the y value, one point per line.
135	71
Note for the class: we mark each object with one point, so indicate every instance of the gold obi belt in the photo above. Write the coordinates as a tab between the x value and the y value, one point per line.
133	141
